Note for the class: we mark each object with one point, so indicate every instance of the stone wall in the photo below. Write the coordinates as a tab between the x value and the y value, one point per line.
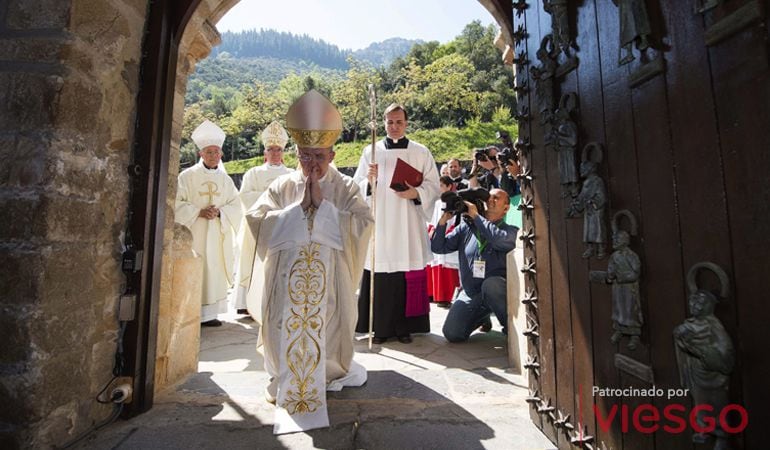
177	337
179	312
69	75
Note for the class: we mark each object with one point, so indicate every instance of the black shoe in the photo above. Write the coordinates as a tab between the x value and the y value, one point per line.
379	340
486	327
405	339
242	311
212	323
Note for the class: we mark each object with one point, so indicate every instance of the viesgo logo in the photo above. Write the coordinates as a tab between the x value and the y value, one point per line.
673	418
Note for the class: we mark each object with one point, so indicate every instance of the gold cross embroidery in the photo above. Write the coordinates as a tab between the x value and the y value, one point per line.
212	192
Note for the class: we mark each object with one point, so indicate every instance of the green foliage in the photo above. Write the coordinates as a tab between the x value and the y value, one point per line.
457	94
351	96
234	74
379	54
272	43
242	165
444	143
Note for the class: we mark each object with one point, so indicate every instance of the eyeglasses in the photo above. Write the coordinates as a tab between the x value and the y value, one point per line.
306	158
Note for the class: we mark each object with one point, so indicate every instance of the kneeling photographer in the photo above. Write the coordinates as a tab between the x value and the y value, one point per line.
483	241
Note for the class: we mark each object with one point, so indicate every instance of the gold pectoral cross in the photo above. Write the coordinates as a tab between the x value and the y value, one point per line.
212	192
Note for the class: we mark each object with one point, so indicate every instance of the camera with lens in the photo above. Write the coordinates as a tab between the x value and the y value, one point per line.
506	156
454	202
481	154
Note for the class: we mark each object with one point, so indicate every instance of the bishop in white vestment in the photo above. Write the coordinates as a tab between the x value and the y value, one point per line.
255	182
310	227
207	203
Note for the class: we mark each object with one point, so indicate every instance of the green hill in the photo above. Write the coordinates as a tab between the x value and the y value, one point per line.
445	143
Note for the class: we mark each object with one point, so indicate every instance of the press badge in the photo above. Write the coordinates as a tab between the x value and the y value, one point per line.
479	266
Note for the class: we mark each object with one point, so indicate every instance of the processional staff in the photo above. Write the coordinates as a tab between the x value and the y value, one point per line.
373	184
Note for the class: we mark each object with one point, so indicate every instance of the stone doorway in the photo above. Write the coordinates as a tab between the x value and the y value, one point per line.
177	331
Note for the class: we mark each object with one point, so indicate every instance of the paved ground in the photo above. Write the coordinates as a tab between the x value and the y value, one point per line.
426	395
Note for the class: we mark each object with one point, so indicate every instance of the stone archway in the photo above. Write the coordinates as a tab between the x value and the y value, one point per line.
90	88
178	331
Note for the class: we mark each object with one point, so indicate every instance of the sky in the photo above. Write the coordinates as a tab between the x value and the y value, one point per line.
354	24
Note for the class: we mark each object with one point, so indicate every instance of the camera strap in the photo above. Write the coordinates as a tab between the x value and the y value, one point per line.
481	244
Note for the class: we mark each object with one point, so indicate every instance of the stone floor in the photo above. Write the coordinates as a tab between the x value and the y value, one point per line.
426	395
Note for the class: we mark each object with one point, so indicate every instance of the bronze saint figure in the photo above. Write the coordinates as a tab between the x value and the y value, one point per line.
564	139
591	202
634	28
623	271
544	77
705	354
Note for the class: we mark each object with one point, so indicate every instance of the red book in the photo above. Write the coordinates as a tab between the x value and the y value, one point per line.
404	173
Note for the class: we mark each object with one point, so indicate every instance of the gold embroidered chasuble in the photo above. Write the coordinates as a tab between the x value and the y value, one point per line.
306	271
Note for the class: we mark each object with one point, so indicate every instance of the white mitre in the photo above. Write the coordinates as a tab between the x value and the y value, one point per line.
274	135
208	134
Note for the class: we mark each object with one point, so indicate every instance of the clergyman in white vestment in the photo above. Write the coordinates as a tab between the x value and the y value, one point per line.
311	229
255	182
402	250
207	203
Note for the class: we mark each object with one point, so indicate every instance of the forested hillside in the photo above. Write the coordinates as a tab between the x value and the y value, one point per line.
381	54
279	44
442	85
225	76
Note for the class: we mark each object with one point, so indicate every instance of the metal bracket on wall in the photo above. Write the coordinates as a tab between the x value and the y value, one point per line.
522	145
581	438
532	365
520	6
531	331
521	88
533	398
526	205
562	421
521	59
525	177
529	266
520	35
528	237
530	298
522	114
546	408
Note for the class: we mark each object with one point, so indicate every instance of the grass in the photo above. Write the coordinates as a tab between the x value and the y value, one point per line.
445	143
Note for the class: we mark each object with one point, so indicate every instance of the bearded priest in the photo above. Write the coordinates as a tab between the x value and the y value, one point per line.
308	226
255	182
207	203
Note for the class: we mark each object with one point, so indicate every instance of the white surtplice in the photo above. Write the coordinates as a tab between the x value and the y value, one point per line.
402	241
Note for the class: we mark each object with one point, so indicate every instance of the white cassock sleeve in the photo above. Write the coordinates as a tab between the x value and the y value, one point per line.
326	226
184	211
230	212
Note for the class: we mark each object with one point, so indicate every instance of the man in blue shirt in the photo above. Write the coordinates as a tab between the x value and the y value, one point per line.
483	247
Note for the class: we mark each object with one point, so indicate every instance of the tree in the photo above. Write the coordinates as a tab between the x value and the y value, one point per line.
351	96
440	94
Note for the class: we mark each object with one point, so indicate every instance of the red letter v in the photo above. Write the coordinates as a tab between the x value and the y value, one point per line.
604	424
